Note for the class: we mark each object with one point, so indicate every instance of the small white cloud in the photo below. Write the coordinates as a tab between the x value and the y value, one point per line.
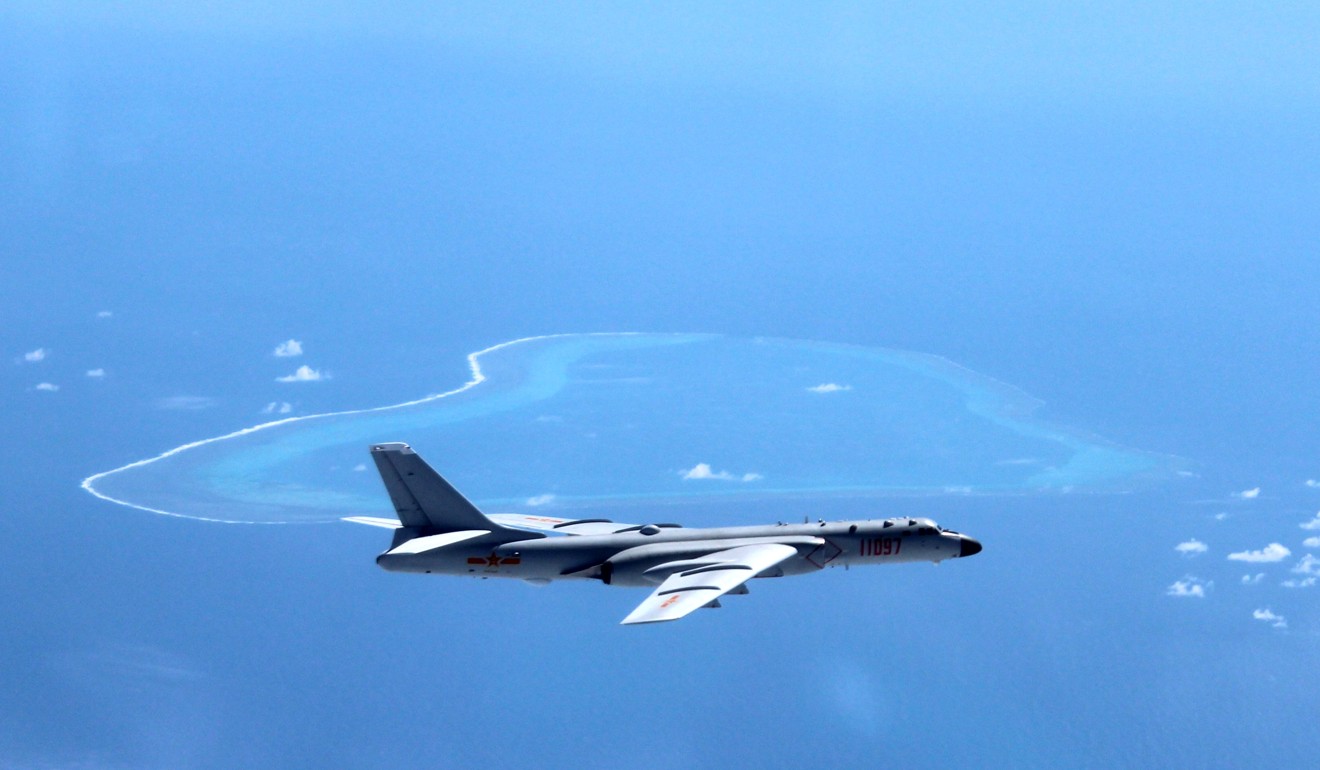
1313	484
703	471
277	407
828	387
303	373
1251	580
1248	494
48	387
1189	586
1221	516
186	403
1267	615
1309	565
1270	553
1311	542
96	374
549	418
105	314
288	349
1313	524
1298	582
545	499
33	356
1191	547
360	467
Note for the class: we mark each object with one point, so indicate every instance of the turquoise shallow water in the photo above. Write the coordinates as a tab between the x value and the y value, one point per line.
573	420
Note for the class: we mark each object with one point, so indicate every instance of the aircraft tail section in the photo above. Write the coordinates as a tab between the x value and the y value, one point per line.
427	504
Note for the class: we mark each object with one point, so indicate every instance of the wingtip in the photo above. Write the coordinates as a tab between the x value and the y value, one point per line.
642	618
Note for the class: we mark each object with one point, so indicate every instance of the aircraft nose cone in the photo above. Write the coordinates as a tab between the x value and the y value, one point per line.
970	547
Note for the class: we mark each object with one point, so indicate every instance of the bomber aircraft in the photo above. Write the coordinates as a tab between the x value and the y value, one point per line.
439	532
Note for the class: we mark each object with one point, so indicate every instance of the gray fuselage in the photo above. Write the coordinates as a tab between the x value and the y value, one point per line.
624	558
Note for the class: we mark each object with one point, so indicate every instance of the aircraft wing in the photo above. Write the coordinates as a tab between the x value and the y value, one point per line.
565	526
710	577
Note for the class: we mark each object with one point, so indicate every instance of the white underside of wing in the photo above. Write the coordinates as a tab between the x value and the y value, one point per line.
688	590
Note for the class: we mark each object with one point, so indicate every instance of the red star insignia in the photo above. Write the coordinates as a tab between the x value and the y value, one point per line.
492	561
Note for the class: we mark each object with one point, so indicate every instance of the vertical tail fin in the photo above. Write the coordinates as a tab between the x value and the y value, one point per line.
425	502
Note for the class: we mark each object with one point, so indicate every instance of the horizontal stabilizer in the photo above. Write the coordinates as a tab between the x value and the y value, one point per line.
374	521
432	542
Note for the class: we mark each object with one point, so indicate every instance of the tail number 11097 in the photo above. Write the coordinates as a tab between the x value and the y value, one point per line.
882	546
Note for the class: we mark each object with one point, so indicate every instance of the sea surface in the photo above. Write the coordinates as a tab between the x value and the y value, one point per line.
572	420
1048	276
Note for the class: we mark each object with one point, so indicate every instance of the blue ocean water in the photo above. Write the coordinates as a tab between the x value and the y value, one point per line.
1111	208
569	420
